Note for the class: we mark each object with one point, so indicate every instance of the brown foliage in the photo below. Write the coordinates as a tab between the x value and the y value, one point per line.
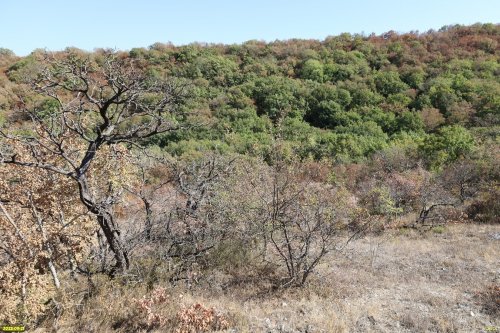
147	308
490	299
43	228
198	318
432	118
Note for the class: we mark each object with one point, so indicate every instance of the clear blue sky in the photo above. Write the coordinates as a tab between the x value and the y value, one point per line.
122	24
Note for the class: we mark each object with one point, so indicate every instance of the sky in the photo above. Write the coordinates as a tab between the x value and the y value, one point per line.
26	25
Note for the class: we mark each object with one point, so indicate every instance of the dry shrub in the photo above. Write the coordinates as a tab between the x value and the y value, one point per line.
193	319
44	230
486	208
22	298
291	220
198	318
490	299
453	214
147	307
315	171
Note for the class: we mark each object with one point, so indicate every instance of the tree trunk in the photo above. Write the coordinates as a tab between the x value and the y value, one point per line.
107	224
112	234
149	217
53	272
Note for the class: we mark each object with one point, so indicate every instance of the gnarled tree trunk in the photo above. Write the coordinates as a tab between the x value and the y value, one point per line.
107	223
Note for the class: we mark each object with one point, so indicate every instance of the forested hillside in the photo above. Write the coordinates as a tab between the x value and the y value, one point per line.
232	166
343	98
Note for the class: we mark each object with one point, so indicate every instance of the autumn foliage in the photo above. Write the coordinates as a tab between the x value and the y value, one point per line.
214	166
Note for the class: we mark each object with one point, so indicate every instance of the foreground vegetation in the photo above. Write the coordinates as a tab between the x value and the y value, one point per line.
399	281
166	179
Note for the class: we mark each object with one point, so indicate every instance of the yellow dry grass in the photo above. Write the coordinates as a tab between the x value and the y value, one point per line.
400	281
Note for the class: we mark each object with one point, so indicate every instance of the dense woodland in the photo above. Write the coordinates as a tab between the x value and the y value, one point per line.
169	163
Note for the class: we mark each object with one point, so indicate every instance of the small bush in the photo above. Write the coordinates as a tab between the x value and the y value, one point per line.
148	308
439	229
486	209
197	319
489	299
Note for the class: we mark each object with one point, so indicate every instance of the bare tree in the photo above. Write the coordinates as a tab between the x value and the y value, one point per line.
100	103
451	188
198	222
293	220
153	174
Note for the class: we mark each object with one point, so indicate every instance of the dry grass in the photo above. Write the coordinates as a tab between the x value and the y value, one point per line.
400	281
